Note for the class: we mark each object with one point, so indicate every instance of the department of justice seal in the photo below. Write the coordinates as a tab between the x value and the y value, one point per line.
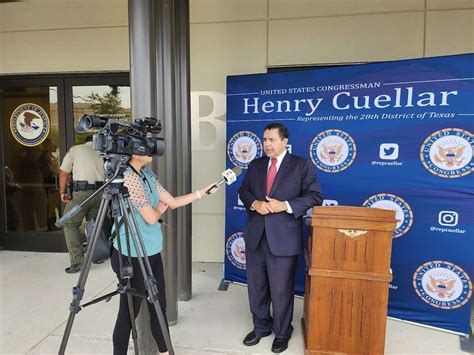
447	153
395	203
333	150
29	124
442	284
235	250
243	147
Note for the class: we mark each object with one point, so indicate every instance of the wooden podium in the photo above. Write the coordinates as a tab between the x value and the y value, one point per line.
346	290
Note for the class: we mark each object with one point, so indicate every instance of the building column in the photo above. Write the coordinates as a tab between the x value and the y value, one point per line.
143	104
159	77
184	149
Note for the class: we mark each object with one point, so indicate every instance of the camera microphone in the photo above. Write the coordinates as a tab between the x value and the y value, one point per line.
229	176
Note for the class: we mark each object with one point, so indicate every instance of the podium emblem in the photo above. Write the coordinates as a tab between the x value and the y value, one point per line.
351	233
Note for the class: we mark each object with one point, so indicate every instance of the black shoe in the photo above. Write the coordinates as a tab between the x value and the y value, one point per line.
73	268
253	338
280	345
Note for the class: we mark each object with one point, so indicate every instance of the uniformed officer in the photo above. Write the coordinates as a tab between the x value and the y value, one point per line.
87	169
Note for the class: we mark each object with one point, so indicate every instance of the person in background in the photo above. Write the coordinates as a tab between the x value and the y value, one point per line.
87	169
49	167
277	191
149	200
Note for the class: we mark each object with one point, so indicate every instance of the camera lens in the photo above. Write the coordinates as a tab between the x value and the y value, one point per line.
88	121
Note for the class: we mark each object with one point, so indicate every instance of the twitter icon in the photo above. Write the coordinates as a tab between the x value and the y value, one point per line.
388	151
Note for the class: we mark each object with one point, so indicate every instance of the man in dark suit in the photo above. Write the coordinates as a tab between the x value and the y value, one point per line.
277	191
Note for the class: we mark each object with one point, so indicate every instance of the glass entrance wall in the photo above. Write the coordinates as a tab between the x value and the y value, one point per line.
38	114
31	158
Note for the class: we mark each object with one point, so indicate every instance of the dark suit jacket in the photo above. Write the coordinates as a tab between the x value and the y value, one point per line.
296	183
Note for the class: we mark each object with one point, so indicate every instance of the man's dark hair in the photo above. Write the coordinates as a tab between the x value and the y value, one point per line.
88	138
282	130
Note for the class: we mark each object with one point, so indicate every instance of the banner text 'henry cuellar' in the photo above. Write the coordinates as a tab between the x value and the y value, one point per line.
398	97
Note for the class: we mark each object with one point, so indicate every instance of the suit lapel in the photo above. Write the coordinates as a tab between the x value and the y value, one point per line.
281	174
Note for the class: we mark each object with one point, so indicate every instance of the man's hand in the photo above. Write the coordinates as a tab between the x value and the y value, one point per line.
262	207
276	205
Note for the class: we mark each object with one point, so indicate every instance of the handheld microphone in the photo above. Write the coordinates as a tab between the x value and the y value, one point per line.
229	176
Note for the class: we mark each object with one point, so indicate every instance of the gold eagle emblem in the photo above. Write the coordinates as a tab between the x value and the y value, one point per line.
332	153
451	156
244	152
239	252
351	233
441	287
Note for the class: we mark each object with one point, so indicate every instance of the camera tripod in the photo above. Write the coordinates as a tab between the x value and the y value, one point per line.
115	195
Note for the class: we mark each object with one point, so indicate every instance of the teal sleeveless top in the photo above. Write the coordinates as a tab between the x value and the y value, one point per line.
143	192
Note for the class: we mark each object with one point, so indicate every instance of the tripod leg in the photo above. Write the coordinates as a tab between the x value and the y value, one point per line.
78	290
145	267
129	284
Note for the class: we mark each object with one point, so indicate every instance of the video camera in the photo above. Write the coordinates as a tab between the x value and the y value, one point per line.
122	137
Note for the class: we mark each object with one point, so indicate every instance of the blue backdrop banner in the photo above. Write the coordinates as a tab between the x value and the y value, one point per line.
396	135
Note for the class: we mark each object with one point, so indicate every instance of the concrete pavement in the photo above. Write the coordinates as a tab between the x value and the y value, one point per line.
35	294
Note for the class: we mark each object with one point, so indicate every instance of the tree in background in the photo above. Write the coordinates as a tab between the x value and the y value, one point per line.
107	104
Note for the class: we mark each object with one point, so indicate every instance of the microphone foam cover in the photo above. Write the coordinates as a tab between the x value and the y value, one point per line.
237	170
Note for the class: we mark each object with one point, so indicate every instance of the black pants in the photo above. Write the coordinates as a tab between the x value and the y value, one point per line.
123	325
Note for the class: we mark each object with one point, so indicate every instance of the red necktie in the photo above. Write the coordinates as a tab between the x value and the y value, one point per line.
272	172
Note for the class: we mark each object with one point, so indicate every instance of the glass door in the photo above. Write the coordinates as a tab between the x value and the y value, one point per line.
38	115
31	144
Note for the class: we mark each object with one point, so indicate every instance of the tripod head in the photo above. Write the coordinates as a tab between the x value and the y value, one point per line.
114	166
